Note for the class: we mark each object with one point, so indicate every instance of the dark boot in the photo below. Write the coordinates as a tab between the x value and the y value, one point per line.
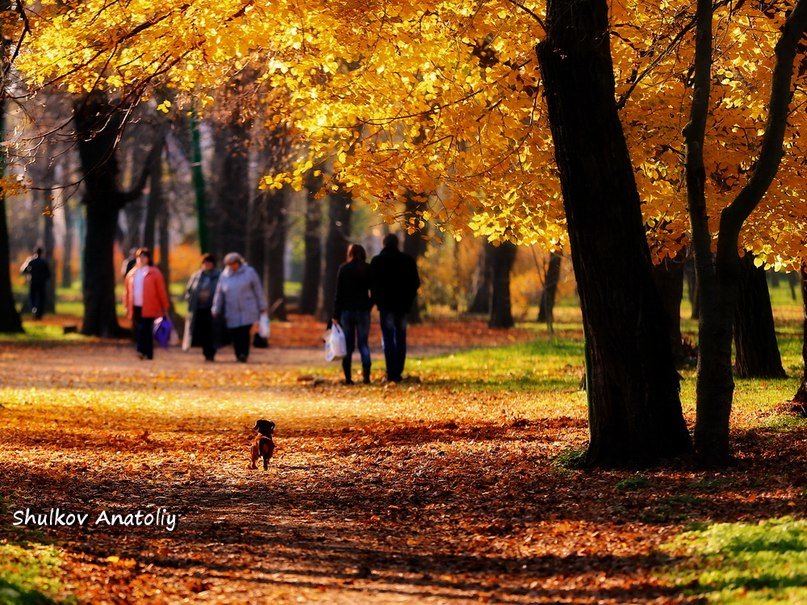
346	369
365	372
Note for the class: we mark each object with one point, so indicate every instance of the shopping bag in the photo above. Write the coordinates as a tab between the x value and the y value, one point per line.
263	326
335	346
162	331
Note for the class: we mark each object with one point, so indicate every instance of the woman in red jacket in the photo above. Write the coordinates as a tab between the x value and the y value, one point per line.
145	298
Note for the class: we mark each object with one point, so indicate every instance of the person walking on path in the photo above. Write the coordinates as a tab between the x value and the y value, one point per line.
145	298
37	271
394	282
199	329
240	300
351	309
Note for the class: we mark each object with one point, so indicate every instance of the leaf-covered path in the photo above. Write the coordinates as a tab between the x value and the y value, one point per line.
429	492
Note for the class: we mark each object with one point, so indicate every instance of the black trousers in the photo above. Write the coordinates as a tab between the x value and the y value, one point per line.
240	338
36	299
203	332
144	333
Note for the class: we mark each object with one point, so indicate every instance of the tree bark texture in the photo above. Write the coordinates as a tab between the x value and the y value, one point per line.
757	350
336	243
635	413
502	261
546	306
669	279
312	265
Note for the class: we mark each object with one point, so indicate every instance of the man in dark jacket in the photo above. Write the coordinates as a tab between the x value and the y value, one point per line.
37	270
394	282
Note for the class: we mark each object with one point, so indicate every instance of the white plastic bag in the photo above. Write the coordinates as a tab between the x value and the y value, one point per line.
263	325
335	346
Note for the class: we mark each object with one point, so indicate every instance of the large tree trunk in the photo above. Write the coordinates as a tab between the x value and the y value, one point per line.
546	307
503	258
97	125
757	351
312	265
800	398
336	243
634	407
481	300
668	276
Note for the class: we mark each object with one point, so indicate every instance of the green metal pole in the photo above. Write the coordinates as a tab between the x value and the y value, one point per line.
199	183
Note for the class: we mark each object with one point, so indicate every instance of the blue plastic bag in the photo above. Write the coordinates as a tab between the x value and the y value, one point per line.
162	331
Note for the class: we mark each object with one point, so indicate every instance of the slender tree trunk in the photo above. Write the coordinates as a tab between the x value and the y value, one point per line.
634	408
800	399
481	300
546	307
230	214
718	276
164	232
312	265
501	314
48	240
414	244
67	269
276	233
757	351
336	243
669	279
155	203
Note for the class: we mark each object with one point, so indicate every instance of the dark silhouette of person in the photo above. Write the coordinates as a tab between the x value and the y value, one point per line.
394	282
351	309
37	271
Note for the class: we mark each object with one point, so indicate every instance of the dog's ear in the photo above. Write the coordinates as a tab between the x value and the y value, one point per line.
271	426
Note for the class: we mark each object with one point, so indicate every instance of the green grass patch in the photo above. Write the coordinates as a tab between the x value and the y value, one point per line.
570	459
746	563
30	574
42	333
544	364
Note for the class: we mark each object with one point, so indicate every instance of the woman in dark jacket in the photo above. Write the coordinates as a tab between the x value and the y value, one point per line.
199	327
351	308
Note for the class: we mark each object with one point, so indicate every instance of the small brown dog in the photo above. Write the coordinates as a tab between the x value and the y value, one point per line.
263	446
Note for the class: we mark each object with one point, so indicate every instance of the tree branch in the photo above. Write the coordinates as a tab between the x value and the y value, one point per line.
772	149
